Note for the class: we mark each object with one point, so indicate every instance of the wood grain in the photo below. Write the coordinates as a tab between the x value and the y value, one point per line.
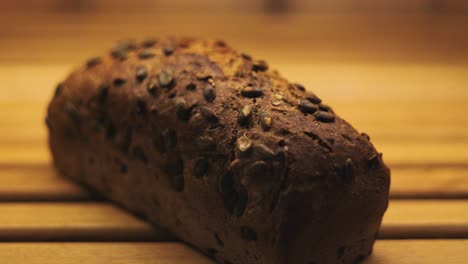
385	252
94	253
72	222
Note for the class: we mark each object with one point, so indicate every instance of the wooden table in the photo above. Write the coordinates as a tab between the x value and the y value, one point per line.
409	93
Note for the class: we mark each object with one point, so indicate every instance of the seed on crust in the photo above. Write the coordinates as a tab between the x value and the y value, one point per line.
299	86
152	86
122	48
307	106
209	93
149	42
141	73
260	66
265	120
324	117
245	113
252	92
313	98
93	62
208	114
168	50
243	144
182	110
191	87
165	79
246	56
118	82
374	161
146	54
263	151
205	143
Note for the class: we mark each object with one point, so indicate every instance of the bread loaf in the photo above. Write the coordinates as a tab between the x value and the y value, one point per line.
222	151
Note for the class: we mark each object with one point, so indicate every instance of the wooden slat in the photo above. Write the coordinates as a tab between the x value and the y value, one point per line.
41	182
385	252
336	82
419	252
37	183
406	132
383	7
426	219
101	221
423	153
30	154
316	37
364	114
429	182
208	6
395	153
72	222
98	253
157	7
386	123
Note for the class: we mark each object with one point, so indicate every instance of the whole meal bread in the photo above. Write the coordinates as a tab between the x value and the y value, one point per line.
222	151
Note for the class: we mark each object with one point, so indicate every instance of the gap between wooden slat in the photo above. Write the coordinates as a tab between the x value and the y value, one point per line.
105	222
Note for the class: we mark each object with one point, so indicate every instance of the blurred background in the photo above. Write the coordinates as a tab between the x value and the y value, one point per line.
396	70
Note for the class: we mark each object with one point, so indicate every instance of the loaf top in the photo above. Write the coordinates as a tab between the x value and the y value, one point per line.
223	107
225	103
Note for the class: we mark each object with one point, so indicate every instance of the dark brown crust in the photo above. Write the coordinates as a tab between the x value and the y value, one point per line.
164	129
